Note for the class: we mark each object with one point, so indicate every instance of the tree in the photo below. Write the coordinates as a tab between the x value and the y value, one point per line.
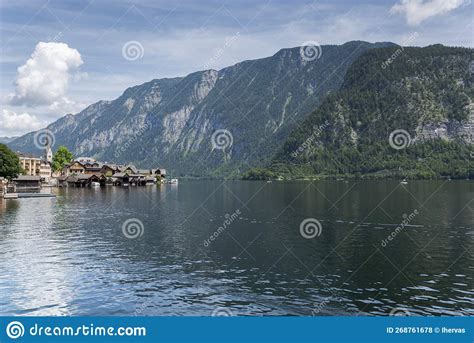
9	163
259	174
61	157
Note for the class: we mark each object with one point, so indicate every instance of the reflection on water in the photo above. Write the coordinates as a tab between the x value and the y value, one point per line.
33	265
69	256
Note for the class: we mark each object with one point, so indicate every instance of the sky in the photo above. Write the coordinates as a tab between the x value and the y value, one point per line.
57	57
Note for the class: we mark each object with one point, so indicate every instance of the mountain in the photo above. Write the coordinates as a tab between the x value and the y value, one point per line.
404	112
6	140
171	122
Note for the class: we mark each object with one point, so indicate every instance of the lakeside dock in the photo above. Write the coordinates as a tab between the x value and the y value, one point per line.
28	195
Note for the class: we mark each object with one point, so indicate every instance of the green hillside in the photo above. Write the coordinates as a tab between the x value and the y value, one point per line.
426	92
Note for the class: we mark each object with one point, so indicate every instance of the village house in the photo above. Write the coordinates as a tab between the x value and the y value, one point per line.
29	163
75	167
108	169
37	166
130	169
27	183
85	171
93	168
85	180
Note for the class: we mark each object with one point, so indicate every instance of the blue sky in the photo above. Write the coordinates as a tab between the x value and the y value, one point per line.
74	53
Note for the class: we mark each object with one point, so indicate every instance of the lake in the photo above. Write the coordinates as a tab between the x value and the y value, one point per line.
241	248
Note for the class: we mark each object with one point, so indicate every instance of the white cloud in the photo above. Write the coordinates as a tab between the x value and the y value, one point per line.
65	106
417	11
12	123
44	78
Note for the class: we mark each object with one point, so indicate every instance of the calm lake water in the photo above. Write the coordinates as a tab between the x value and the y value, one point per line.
70	255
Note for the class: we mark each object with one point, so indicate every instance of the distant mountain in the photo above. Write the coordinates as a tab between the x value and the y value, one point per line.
6	140
171	122
402	112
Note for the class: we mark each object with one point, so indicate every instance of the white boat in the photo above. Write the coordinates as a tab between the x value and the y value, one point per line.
174	181
95	184
404	182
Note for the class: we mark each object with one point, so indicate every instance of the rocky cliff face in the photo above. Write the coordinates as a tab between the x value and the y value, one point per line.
250	108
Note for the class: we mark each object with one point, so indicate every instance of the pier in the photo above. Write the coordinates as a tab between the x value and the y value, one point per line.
28	195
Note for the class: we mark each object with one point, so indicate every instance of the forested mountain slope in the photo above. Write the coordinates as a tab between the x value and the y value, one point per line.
404	112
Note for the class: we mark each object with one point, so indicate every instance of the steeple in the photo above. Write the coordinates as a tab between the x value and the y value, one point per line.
49	154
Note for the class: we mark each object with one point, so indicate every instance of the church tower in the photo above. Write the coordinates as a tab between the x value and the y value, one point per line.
49	154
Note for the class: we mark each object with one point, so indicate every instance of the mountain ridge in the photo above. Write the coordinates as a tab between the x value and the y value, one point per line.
170	121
